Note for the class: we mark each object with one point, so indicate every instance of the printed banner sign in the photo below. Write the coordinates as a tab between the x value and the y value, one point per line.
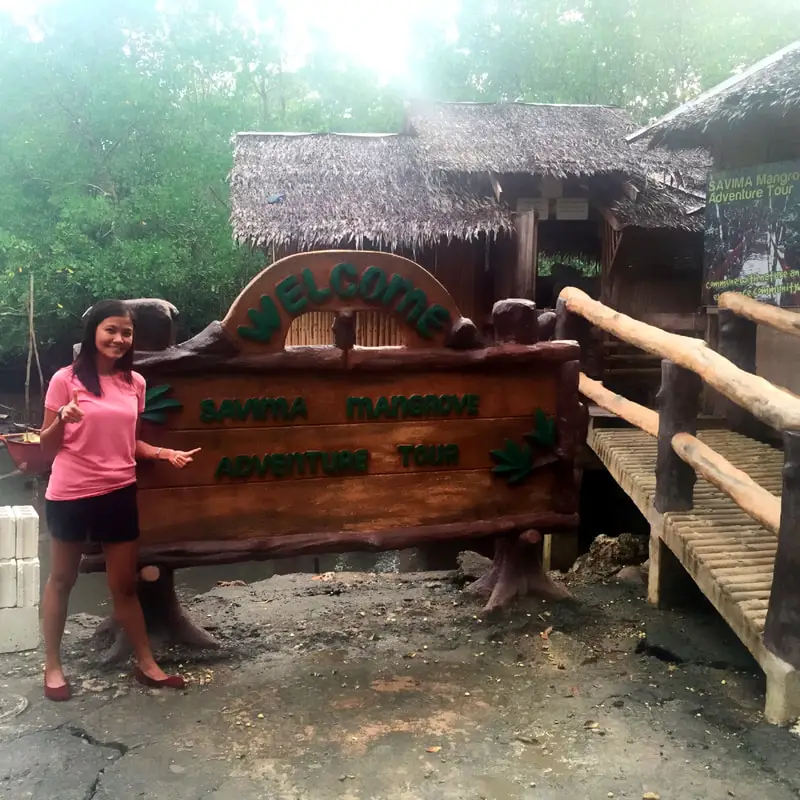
752	238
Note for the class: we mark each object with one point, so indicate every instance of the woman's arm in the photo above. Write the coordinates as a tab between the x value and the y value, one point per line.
51	435
178	458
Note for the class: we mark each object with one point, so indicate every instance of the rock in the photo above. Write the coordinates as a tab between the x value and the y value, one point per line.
608	555
633	575
472	566
95	685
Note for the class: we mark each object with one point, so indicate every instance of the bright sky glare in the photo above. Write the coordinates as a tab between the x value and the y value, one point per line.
376	33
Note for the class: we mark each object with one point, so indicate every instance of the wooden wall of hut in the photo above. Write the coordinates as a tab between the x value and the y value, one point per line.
657	273
655	277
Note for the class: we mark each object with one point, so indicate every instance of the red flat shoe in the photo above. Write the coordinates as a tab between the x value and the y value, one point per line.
170	682
58	694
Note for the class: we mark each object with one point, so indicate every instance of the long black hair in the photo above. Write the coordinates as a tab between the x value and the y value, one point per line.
85	365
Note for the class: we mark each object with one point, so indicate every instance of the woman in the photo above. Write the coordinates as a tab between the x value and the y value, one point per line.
90	429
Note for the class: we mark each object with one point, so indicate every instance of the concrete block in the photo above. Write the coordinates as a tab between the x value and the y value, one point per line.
8	583
27	531
8	533
19	629
27	582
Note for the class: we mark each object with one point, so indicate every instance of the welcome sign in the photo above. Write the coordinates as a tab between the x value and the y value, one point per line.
342	446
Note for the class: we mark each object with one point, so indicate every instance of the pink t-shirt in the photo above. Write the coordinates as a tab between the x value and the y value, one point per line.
98	454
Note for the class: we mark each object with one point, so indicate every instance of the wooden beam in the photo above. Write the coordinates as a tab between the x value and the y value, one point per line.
630	191
782	626
525	275
679	404
778	318
758	395
189	554
496	187
610	218
736	341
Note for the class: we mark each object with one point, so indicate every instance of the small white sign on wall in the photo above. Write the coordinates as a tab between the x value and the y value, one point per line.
540	205
572	209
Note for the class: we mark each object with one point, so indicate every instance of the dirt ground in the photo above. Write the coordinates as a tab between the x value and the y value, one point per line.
390	686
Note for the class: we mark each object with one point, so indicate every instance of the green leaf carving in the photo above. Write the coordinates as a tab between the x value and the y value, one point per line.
544	432
154	392
266	320
156	404
515	462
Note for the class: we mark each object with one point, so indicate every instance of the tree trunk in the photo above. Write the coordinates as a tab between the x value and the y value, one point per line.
163	615
517	570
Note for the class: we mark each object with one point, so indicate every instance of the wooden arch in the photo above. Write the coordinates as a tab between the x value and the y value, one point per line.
340	280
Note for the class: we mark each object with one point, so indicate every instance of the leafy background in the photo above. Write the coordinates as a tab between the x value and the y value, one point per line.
116	122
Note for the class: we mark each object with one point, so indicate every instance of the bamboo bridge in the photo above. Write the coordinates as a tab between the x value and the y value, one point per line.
722	505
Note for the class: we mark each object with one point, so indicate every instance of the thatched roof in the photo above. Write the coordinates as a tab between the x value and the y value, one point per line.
555	140
681	169
432	182
769	89
334	189
658	206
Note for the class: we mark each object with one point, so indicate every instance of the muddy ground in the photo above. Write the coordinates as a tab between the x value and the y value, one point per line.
392	686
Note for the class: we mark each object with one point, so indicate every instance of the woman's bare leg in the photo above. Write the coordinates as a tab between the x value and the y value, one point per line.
122	579
65	558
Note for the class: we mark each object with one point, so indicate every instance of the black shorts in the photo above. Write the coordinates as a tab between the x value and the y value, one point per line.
109	518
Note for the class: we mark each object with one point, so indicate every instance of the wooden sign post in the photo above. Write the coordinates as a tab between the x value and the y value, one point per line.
341	448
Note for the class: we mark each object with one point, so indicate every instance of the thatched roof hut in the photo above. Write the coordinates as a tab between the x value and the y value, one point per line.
554	140
768	91
322	190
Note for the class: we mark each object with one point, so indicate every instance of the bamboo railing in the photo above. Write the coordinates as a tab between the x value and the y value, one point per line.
778	318
687	362
753	499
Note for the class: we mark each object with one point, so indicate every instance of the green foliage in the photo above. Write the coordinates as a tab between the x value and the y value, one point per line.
585	266
116	123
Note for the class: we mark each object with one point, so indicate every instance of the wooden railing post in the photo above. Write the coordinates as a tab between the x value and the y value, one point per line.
679	404
569	325
782	629
575	327
737	342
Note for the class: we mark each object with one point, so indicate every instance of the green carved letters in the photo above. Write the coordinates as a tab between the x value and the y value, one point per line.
297	294
414	407
287	465
343	289
429	455
260	409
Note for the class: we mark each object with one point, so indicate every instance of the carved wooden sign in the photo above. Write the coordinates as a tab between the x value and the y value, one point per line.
315	449
259	319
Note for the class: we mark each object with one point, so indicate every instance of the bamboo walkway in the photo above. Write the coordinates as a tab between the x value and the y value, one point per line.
728	555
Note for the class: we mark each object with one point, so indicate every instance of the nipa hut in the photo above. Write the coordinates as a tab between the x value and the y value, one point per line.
294	192
480	194
749	124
